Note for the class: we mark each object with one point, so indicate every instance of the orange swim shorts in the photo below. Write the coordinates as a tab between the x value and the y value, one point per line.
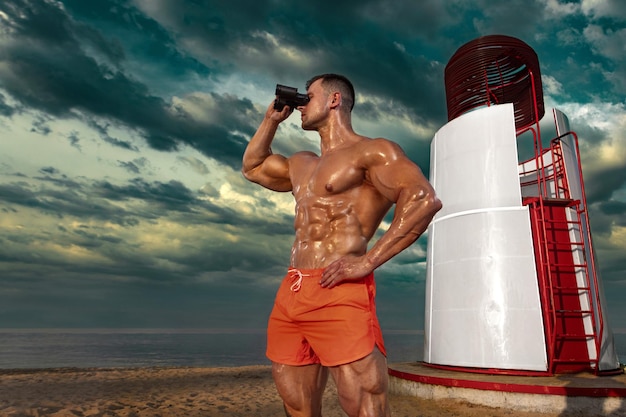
310	324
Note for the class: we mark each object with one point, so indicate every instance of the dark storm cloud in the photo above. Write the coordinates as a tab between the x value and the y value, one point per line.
604	218
49	170
103	131
40	125
164	199
515	17
360	39
604	183
223	139
123	21
70	200
613	207
44	36
601	182
74	140
5	109
172	196
260	255
80	201
129	166
57	195
344	41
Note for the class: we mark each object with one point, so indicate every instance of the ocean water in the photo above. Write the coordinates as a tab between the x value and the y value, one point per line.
83	348
62	348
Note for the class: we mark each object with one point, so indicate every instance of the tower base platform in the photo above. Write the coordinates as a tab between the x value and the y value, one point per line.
581	394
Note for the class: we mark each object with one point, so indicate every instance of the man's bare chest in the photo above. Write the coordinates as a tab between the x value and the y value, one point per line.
328	176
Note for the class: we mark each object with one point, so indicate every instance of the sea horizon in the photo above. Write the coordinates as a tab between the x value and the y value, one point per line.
44	348
148	330
31	348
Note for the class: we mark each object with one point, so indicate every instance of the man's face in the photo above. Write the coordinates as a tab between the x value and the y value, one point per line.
316	110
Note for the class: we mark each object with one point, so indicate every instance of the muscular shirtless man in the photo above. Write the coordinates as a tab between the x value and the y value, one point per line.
324	317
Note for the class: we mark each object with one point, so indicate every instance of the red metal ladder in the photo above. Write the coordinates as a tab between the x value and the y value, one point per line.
564	284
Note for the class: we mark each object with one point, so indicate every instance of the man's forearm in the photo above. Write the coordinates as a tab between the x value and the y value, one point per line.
258	148
414	212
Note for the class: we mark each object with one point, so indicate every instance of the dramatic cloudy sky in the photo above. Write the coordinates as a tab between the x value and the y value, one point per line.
123	123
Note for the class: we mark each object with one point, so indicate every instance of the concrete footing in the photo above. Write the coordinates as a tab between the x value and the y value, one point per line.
581	394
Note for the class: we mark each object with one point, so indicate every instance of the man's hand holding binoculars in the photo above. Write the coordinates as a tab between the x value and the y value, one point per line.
289	96
287	99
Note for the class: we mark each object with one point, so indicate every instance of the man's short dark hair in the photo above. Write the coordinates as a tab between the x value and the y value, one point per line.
339	83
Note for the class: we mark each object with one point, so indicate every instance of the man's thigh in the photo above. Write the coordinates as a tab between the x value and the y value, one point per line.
363	384
301	387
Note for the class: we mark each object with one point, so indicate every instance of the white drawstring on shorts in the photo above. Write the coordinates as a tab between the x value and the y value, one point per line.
297	284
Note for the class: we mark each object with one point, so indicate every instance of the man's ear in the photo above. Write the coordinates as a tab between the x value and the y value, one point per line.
335	99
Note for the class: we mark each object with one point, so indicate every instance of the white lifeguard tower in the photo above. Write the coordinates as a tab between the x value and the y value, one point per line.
512	280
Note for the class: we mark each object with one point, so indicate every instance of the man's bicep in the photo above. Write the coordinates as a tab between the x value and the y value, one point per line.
273	173
398	175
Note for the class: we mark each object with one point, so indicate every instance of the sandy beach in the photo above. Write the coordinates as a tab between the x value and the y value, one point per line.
165	392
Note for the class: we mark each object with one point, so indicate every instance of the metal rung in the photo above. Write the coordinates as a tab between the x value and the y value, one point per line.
574	311
575	360
583	265
570	287
571	265
566	225
559	287
562	221
556	242
574	336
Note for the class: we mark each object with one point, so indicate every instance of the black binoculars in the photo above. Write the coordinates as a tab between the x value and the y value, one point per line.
289	96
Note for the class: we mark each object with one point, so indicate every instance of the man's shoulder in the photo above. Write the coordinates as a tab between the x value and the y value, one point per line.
303	158
381	147
368	142
304	155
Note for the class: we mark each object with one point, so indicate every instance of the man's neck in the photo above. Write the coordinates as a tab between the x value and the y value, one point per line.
336	134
